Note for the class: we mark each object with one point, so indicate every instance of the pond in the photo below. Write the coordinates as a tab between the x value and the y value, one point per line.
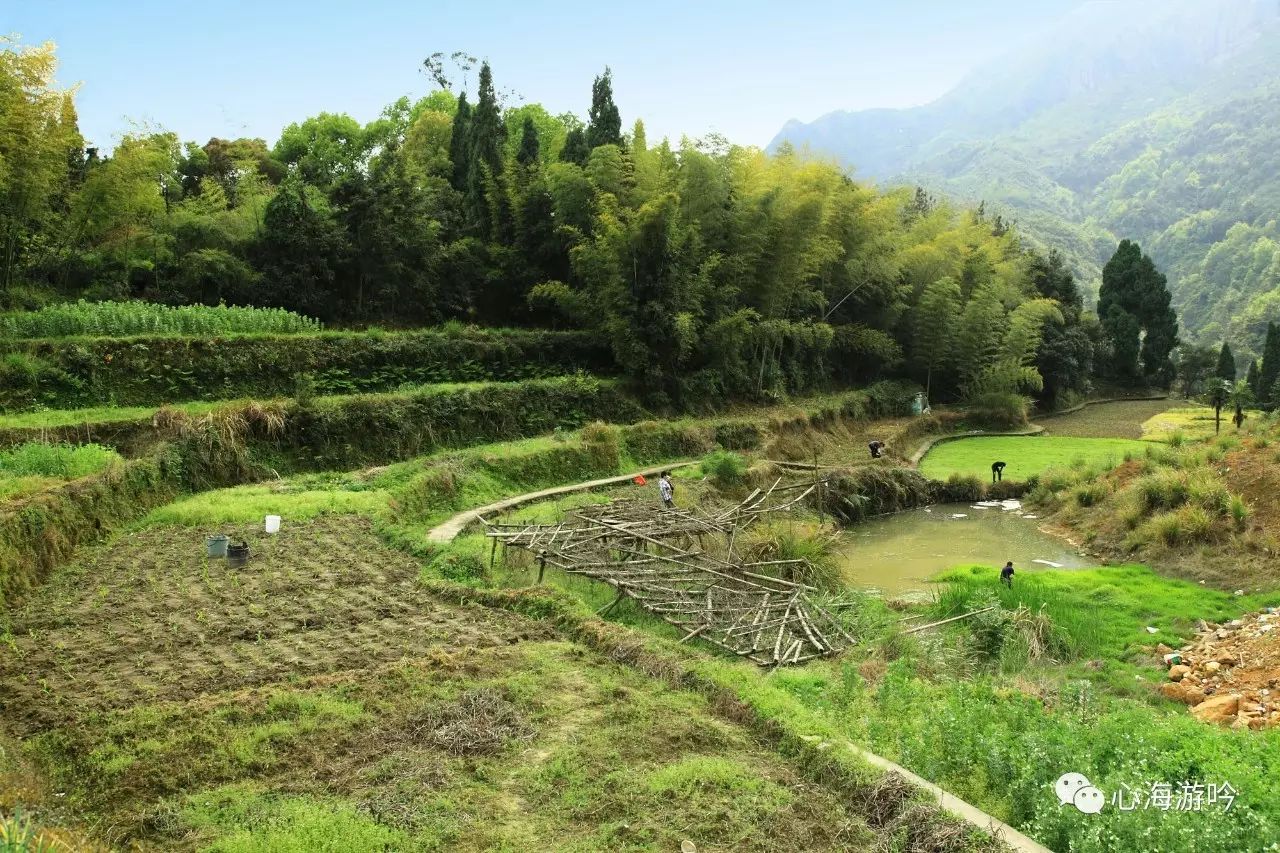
898	553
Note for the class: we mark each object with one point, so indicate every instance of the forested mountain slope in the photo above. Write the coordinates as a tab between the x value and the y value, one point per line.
1159	125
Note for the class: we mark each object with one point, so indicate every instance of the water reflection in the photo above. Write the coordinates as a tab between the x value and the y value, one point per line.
899	553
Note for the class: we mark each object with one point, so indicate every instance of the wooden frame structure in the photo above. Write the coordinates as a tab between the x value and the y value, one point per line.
648	553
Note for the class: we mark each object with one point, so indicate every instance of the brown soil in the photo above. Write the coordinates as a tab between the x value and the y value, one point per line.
1239	659
148	619
1120	419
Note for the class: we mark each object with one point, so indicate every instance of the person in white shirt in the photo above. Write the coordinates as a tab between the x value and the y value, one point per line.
666	491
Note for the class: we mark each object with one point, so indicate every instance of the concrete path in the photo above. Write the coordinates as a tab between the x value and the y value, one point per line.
914	462
957	806
450	529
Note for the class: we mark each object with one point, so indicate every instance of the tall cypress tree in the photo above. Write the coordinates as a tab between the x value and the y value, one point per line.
528	153
575	148
604	124
484	167
1134	298
1270	370
1226	363
1254	380
459	143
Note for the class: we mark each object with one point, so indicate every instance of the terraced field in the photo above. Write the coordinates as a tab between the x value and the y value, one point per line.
320	692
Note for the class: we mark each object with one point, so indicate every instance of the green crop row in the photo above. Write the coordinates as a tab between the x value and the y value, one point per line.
117	319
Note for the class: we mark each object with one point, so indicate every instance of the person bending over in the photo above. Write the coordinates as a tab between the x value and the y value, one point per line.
997	471
1006	574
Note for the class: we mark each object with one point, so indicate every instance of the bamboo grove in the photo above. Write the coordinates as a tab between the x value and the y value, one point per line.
710	270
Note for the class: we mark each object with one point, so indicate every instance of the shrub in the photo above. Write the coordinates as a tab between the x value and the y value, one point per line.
1239	511
1091	494
962	488
155	370
725	468
819	549
998	410
1162	490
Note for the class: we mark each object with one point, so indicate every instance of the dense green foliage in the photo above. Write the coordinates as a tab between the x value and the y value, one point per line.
67	373
710	270
1133	305
1173	140
121	319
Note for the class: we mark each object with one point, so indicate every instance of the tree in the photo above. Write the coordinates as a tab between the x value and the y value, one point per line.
1134	306
1254	380
40	148
528	154
1219	392
300	253
1269	373
486	137
1226	364
604	124
1196	367
575	148
934	325
325	148
460	144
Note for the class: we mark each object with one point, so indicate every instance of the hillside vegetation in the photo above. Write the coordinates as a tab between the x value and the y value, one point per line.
1157	123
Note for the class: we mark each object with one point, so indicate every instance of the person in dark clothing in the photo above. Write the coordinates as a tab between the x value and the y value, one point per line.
997	471
876	448
1006	574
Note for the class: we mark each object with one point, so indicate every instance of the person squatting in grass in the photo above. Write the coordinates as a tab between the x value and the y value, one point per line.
997	471
666	490
1006	574
877	449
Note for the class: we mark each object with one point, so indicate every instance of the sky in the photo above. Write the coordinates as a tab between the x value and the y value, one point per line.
741	69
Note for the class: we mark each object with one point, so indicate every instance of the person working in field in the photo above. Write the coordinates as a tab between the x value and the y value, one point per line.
877	449
997	471
666	490
1006	574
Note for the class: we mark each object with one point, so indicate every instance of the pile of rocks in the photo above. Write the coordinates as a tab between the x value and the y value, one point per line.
1230	673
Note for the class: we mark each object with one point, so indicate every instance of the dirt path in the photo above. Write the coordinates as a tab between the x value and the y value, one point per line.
449	530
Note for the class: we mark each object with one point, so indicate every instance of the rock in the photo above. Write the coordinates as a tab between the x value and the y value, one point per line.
1182	693
688	846
1217	709
1162	649
1227	660
1221	634
1212	666
1238	592
1201	626
1235	623
1177	671
1151	630
1240	723
1259	723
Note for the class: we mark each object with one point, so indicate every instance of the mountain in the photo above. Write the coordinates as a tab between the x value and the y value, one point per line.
1157	122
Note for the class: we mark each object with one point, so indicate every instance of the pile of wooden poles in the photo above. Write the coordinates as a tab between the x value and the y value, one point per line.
656	557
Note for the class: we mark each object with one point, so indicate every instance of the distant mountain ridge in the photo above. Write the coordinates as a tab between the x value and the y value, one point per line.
1121	121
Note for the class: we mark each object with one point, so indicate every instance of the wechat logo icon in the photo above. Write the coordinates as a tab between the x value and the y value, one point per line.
1075	789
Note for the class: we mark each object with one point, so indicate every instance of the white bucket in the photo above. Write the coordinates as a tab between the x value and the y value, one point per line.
273	524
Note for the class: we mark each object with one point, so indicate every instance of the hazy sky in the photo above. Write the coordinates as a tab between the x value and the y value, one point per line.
741	68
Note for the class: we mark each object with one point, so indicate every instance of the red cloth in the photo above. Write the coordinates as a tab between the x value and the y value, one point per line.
639	480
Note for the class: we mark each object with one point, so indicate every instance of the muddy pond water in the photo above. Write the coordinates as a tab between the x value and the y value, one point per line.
898	553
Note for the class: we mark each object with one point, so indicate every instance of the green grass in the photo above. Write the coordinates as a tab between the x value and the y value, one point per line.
61	461
51	418
251	820
113	319
1104	611
295	499
1026	456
